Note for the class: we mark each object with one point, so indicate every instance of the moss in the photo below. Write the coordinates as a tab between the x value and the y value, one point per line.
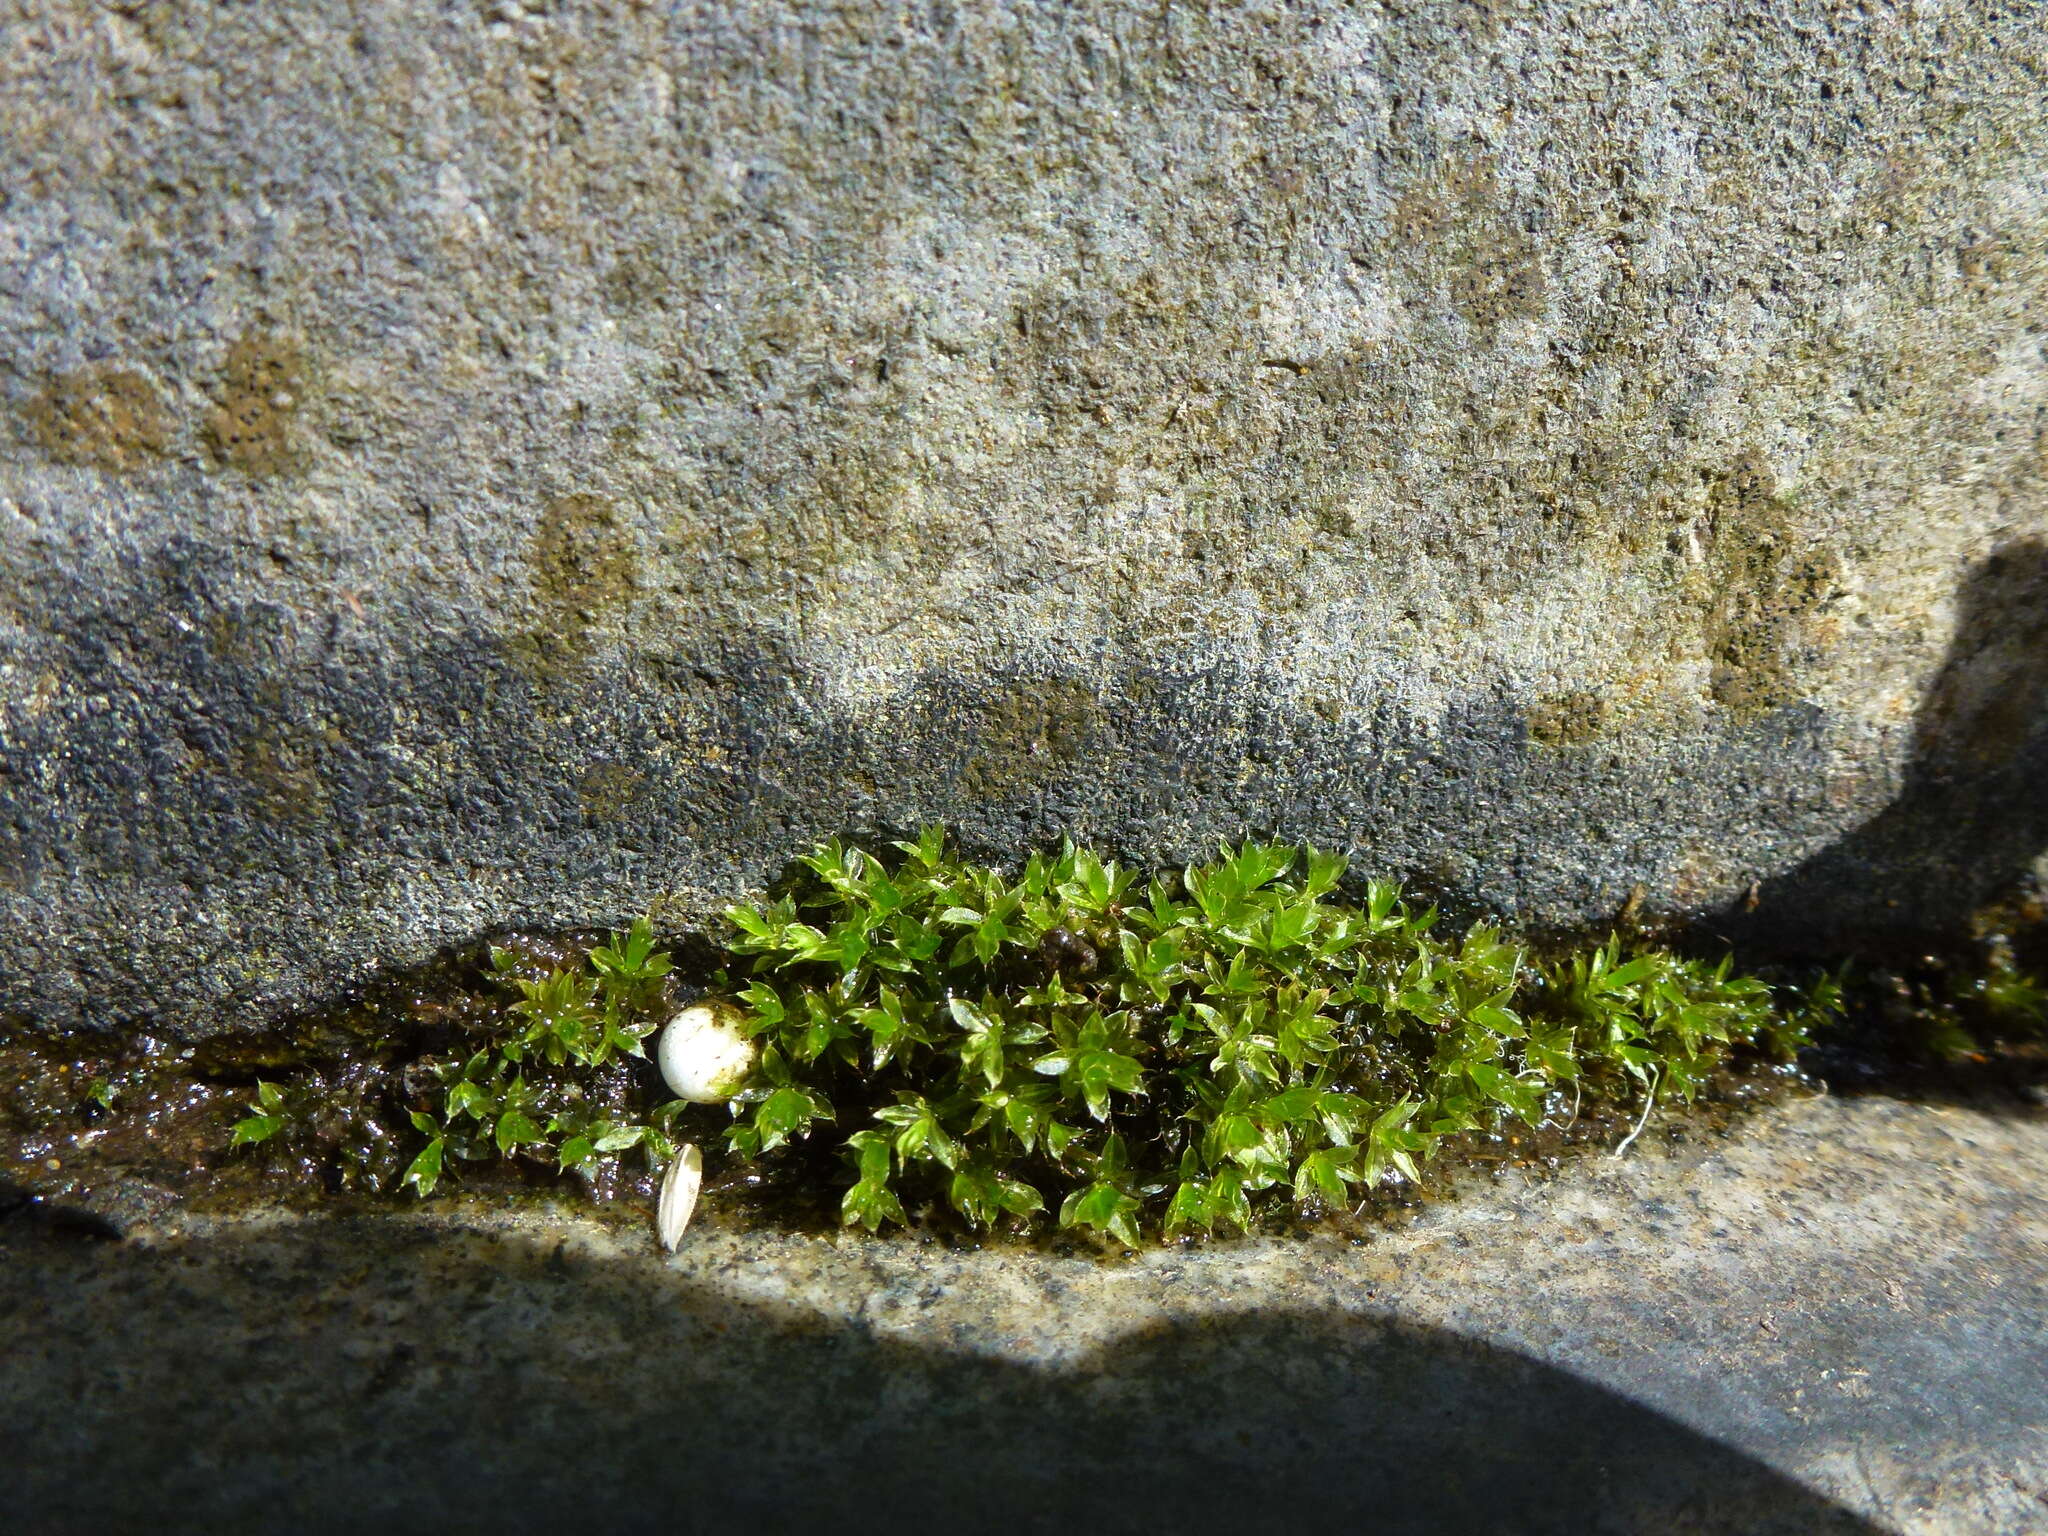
1064	1045
1937	1011
1244	1043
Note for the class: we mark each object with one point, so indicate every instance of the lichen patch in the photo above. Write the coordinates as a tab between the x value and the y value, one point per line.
582	568
1568	719
104	417
1772	582
1031	733
609	790
261	393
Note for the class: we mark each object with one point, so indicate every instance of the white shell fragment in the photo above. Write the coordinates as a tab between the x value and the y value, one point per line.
703	1056
679	1187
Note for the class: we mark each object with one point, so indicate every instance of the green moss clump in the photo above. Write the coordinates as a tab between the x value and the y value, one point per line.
1067	1043
1169	1056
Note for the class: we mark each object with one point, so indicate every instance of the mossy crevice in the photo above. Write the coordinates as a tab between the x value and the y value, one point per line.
1244	1044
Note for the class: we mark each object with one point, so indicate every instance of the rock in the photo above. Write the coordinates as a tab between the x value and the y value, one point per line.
1829	1322
471	467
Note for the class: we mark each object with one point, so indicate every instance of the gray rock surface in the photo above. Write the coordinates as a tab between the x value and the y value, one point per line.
1829	1322
490	464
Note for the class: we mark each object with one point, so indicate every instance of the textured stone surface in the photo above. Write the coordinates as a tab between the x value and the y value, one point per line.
1831	1322
481	464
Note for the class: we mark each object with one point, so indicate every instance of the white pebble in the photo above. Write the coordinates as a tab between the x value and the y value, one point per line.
704	1058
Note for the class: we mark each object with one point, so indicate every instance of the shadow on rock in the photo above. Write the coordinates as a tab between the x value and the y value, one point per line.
361	1374
24	1213
1973	813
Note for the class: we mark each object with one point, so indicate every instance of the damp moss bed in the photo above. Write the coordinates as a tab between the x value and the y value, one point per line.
1065	1051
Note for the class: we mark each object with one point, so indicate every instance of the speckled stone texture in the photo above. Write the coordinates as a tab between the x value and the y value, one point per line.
475	465
1829	1323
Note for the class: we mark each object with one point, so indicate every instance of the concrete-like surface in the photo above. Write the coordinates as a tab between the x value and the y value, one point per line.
1830	1321
468	465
